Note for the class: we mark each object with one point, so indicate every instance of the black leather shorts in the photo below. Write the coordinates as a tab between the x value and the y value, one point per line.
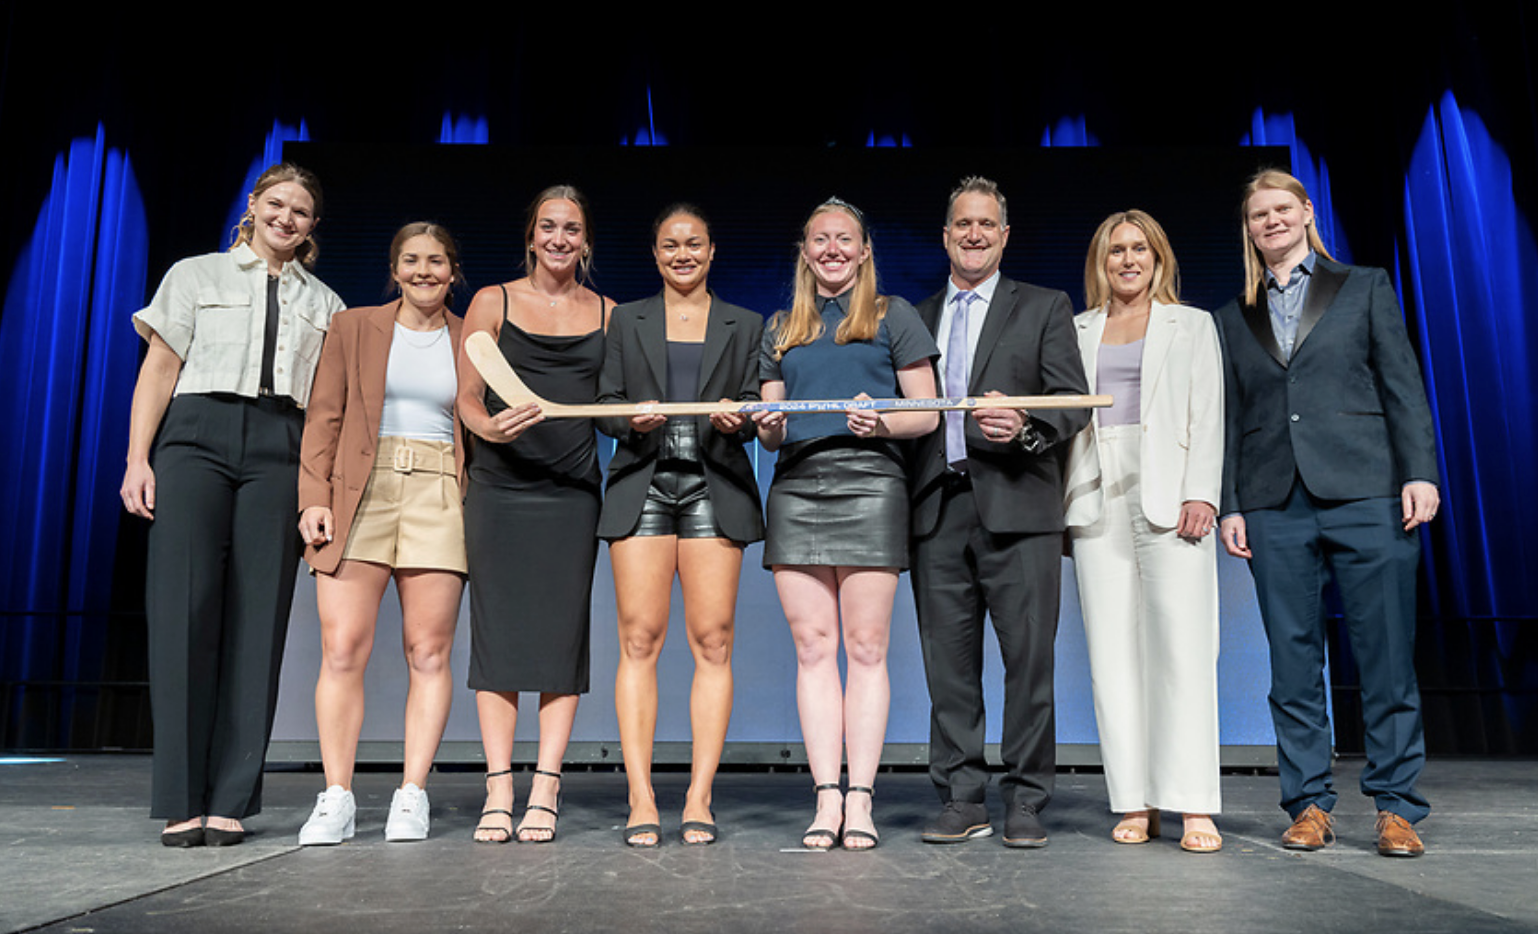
678	501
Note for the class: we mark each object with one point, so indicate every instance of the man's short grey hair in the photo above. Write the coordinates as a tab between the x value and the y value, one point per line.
976	184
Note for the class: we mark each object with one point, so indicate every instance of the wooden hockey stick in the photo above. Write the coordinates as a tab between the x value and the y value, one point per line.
494	369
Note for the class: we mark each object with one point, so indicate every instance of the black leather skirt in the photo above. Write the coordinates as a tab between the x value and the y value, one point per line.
838	502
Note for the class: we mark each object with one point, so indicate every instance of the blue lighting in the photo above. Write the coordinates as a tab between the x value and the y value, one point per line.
463	129
1069	131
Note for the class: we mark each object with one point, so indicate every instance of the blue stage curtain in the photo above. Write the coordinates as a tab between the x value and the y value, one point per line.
1467	262
68	356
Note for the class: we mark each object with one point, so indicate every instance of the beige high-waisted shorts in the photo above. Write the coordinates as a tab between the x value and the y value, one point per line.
411	514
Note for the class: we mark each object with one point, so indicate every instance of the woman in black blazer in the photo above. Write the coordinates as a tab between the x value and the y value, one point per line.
681	500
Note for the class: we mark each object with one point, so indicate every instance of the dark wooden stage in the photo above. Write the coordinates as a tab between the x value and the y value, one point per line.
79	854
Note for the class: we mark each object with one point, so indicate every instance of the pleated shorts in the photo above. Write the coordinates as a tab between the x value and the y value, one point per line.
411	514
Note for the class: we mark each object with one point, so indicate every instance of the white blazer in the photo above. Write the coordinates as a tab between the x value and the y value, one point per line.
1181	415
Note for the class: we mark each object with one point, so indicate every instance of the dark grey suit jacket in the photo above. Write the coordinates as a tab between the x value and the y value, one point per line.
635	370
1028	346
1347	413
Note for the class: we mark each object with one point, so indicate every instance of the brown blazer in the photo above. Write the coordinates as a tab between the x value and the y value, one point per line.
341	424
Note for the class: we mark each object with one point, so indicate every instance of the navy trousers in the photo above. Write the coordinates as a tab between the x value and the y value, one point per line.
1297	547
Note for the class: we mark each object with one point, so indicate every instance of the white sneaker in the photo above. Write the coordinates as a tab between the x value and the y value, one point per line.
332	820
408	815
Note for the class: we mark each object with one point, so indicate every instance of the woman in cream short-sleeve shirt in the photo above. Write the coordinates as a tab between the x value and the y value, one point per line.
213	458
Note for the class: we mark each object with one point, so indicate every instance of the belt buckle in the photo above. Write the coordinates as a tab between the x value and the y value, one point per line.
405	460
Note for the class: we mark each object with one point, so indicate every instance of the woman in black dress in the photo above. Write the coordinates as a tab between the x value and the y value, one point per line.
531	512
682	502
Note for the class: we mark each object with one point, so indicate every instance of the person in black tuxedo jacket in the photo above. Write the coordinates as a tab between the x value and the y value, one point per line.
987	526
1329	466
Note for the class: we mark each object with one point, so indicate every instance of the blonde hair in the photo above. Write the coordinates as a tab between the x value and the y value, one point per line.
1165	286
802	324
1254	264
307	251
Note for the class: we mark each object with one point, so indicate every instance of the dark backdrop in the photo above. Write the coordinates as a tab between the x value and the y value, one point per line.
127	136
757	199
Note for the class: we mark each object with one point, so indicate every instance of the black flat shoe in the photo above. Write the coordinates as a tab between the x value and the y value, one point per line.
181	839
213	836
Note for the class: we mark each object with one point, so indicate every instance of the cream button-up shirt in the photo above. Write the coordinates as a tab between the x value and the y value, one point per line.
211	310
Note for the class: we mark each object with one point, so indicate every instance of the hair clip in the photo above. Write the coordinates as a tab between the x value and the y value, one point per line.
837	202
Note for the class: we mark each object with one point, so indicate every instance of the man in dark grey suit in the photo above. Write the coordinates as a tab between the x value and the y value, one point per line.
1329	464
988	523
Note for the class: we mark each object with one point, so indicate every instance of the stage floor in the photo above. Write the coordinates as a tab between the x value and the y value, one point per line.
78	853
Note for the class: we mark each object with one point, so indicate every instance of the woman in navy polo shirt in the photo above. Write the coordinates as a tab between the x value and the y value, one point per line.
837	535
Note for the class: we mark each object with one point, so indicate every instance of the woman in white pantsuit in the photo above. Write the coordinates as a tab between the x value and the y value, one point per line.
1142	489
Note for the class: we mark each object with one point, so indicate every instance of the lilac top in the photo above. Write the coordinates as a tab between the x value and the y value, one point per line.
1119	372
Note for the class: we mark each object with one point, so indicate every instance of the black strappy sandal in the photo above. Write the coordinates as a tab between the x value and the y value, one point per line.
875	841
506	832
553	812
832	835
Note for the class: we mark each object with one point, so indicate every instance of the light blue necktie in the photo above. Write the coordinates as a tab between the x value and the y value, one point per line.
957	372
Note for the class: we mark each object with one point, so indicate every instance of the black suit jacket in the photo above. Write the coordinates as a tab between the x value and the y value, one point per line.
1347	413
635	369
1028	346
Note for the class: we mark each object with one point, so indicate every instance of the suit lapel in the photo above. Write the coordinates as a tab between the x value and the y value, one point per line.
1321	292
456	334
374	361
719	328
1091	326
999	312
929	311
1162	325
652	334
1258	317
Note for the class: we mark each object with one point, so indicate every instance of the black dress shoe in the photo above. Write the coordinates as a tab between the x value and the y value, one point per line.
192	836
213	836
1022	828
959	822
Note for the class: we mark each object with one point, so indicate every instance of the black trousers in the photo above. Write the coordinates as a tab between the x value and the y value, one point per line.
223	553
962	574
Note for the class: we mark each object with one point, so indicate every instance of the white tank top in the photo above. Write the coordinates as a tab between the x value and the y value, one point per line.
419	386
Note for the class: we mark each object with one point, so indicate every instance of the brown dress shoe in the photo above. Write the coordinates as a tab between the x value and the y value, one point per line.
1396	837
1312	830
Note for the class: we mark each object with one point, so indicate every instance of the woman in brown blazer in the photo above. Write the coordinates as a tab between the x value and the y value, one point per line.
379	492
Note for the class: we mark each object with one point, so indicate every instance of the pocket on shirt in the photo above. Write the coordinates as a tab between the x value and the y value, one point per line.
221	317
311	321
